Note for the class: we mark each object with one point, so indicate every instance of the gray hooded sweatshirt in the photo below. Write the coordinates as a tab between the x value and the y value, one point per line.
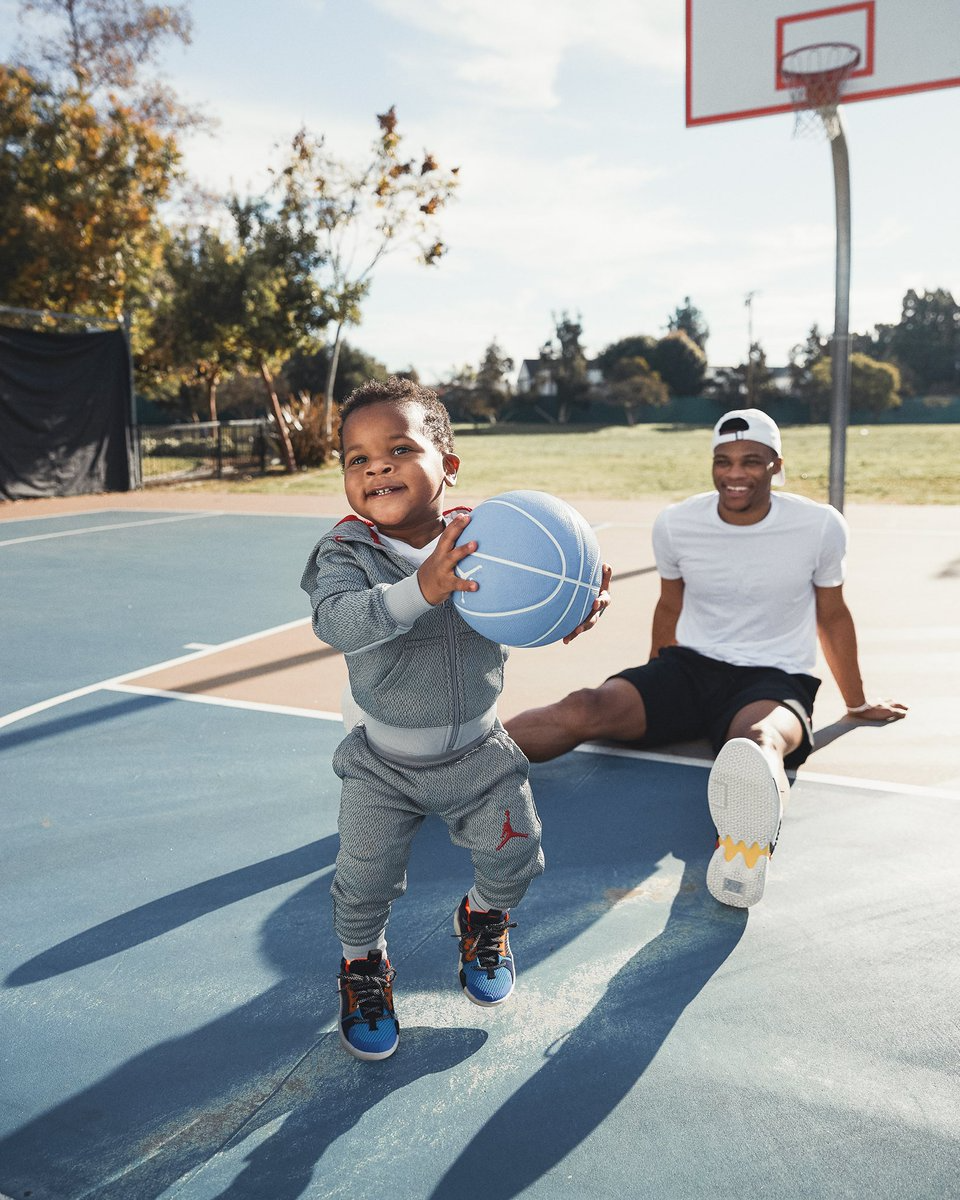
427	684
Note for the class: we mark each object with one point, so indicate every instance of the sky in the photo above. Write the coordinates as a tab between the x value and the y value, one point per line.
582	191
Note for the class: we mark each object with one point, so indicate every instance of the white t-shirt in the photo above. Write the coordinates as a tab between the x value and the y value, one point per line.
414	554
748	595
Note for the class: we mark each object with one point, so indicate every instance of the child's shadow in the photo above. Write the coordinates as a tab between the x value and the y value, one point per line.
168	1110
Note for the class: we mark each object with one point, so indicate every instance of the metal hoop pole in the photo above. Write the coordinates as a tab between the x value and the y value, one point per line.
840	357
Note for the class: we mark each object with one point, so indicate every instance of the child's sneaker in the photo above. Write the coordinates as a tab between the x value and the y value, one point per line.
369	1028
487	973
746	809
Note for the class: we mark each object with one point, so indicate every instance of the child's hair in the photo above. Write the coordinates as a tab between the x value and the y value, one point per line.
436	419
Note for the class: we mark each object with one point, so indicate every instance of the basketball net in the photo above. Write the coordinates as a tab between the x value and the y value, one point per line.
816	76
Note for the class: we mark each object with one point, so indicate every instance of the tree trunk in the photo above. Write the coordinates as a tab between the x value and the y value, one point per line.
290	459
331	378
212	396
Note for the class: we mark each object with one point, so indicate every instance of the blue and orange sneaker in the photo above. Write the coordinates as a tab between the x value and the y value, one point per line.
487	973
369	1028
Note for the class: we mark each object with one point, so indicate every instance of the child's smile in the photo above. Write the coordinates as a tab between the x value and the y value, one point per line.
394	475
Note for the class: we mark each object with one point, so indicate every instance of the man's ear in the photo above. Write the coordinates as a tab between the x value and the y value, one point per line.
451	465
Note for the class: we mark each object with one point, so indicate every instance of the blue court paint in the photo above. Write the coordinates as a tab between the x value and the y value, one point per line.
82	609
168	1003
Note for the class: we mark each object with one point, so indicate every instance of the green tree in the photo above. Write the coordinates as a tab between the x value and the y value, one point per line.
359	214
567	364
803	358
308	370
748	385
479	393
493	390
874	386
688	319
631	383
639	345
926	341
680	363
197	331
282	307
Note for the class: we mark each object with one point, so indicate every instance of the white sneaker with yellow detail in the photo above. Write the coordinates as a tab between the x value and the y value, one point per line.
747	810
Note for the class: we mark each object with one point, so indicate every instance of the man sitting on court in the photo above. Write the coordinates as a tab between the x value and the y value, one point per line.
747	580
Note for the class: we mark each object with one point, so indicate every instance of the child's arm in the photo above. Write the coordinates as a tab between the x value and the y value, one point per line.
351	615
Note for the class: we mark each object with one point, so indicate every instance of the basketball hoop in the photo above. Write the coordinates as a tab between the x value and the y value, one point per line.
816	76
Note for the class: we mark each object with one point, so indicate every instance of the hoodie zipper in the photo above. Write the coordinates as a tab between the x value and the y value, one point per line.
449	619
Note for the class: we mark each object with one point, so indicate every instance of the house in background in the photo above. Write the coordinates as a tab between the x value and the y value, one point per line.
536	377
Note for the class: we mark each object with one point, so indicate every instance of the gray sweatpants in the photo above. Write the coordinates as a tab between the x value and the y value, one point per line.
485	799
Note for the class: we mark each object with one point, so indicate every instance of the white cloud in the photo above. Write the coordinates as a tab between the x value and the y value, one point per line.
514	53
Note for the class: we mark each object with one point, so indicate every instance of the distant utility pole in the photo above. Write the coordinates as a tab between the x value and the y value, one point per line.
748	304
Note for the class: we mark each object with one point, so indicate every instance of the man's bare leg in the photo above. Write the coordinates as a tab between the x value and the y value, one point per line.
777	731
613	711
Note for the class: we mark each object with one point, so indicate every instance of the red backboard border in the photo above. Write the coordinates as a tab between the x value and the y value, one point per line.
770	110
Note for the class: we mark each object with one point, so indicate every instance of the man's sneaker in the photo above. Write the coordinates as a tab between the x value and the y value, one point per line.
369	1028
487	973
745	806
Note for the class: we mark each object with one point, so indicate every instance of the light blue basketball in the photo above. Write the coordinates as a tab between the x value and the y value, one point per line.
538	566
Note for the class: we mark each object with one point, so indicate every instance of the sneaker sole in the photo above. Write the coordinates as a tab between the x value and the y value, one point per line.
745	806
367	1055
466	991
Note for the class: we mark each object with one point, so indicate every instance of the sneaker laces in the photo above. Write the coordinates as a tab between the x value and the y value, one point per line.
370	992
484	940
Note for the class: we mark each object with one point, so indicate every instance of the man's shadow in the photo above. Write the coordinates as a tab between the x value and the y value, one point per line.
623	823
168	1110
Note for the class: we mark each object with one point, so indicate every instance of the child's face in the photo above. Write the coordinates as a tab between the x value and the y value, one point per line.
393	474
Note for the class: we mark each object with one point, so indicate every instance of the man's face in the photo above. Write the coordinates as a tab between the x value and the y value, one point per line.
742	474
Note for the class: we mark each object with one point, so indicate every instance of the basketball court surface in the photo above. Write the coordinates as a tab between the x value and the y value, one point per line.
168	1003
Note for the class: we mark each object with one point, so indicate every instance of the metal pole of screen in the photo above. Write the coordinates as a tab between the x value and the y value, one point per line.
816	75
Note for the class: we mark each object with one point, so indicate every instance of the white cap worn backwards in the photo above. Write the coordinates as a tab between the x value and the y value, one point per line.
750	425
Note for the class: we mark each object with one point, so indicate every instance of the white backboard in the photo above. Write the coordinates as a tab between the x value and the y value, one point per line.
734	49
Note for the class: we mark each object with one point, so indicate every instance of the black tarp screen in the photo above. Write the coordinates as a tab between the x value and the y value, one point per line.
64	413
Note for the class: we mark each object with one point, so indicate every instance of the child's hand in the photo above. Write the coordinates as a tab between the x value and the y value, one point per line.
599	606
437	576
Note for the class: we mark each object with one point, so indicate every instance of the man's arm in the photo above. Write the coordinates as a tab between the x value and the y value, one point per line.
665	615
838	637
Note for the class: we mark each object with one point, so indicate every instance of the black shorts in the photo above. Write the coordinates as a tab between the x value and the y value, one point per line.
687	695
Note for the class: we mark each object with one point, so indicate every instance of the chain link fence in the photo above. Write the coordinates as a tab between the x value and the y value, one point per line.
204	450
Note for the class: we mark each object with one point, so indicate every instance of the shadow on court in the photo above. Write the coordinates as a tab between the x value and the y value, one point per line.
165	1112
267	1085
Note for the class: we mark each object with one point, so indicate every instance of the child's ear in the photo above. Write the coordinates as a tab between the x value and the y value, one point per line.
451	465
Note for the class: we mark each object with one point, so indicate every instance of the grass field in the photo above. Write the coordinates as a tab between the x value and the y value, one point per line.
896	464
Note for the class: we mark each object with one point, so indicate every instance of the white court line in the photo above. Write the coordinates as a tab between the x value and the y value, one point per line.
224	701
847	781
42	537
32	709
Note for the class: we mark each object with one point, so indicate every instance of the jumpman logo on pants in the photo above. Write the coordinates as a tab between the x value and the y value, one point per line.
508	831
